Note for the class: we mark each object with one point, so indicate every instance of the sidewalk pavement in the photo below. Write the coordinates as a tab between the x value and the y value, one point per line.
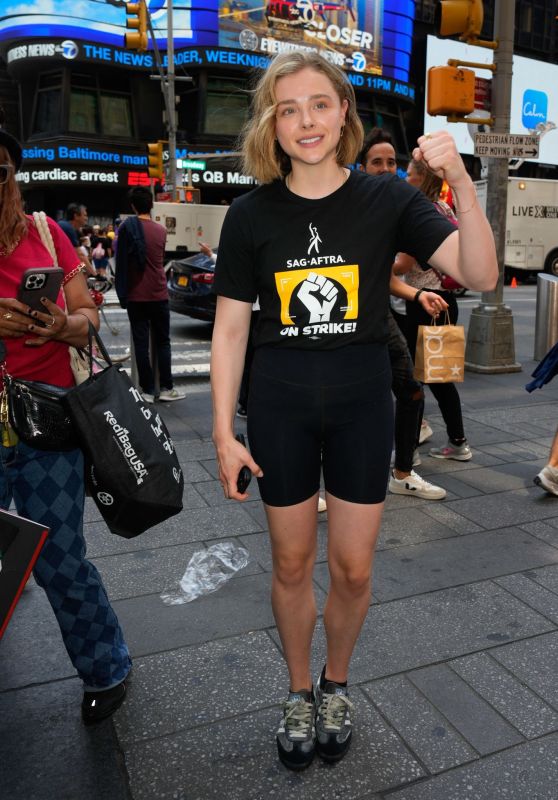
454	677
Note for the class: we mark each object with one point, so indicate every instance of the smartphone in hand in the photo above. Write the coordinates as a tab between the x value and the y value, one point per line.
40	282
245	474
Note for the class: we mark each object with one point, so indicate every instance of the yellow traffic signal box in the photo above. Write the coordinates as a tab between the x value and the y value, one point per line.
460	16
450	90
136	18
155	160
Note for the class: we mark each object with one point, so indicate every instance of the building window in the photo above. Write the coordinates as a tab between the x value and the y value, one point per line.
390	121
95	110
366	117
47	114
116	115
83	112
425	10
226	106
536	22
48	104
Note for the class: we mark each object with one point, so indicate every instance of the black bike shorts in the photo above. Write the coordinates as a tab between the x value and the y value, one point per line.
330	408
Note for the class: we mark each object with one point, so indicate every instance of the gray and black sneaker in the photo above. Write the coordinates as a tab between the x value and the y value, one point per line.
333	721
296	736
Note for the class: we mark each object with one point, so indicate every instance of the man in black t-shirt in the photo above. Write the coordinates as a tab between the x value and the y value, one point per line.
377	158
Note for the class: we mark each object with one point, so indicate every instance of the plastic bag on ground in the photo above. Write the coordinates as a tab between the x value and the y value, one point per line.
207	570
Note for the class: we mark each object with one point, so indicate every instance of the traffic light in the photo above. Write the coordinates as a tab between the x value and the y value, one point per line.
136	18
460	16
191	195
450	90
155	160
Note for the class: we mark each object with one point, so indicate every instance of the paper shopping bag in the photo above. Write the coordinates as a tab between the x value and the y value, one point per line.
440	354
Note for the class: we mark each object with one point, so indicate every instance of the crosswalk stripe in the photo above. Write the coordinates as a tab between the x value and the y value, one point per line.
190	356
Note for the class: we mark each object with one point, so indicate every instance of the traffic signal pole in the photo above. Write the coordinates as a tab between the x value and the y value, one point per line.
168	79
490	338
171	100
139	19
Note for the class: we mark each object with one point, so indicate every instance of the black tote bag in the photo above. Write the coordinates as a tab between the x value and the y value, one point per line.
132	468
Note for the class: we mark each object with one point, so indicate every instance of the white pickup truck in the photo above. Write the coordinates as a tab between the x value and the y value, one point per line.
188	224
532	226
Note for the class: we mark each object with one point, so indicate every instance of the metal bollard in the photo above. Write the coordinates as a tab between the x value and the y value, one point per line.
546	324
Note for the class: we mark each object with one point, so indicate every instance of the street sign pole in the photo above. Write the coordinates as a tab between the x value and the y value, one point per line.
490	338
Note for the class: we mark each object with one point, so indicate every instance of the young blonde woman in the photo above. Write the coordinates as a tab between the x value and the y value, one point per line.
316	242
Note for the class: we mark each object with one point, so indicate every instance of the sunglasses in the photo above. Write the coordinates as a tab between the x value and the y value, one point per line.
5	172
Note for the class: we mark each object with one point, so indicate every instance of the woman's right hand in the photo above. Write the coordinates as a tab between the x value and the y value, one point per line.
432	303
231	457
14	318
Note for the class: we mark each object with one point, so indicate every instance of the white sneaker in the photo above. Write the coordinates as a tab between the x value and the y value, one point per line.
425	432
548	479
149	398
322	505
168	395
414	485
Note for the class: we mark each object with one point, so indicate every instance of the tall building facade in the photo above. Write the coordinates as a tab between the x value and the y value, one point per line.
85	107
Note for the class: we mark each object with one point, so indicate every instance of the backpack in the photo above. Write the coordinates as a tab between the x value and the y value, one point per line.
98	251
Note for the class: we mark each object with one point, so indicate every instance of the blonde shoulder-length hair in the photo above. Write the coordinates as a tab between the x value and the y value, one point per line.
262	155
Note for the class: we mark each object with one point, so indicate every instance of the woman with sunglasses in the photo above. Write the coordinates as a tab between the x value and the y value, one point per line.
316	241
48	486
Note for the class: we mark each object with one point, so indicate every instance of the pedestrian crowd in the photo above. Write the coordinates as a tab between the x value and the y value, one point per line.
94	245
323	276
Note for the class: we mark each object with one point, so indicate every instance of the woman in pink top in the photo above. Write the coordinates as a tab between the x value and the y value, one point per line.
48	486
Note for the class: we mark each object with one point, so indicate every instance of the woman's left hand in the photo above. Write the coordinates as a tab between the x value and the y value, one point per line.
439	152
54	319
432	303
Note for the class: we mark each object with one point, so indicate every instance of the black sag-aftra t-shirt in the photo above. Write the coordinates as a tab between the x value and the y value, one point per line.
321	268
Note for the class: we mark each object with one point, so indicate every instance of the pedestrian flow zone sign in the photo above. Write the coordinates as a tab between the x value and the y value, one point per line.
506	145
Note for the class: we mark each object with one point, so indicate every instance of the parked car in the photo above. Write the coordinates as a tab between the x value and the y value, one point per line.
190	285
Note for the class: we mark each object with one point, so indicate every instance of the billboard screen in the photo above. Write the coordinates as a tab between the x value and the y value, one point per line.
103	22
347	33
534	101
371	39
